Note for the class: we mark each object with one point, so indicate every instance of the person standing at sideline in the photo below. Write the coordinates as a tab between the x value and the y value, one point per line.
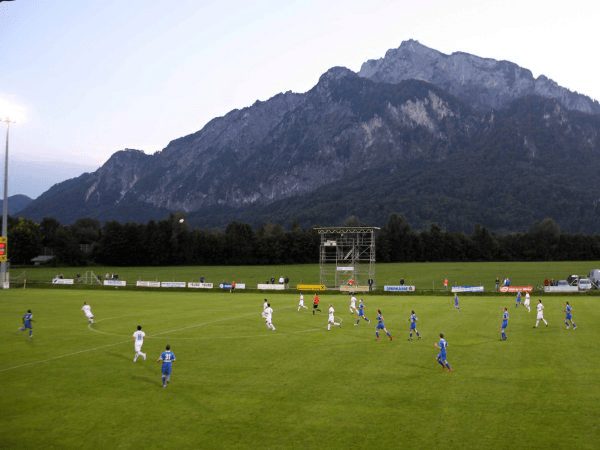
87	312
27	320
413	325
504	324
540	313
569	316
301	302
138	341
331	320
167	358
442	358
527	302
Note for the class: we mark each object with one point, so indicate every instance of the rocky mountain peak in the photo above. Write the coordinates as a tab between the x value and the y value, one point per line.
401	135
483	83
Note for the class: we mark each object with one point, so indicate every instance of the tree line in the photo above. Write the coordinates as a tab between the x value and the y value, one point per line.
171	242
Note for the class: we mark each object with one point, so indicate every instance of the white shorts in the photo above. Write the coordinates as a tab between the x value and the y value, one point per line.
540	316
89	315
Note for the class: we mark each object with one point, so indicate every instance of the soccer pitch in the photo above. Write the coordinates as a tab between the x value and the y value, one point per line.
236	384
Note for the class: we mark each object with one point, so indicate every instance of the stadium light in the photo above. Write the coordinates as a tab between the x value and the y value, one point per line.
3	276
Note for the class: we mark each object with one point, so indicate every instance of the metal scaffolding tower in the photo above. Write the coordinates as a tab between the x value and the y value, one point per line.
347	257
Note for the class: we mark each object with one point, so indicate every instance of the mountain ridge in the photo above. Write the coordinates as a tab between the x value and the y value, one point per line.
252	162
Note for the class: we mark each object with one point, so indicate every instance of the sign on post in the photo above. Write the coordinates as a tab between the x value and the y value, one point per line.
2	248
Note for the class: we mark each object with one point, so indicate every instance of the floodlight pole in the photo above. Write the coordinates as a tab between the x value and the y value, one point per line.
3	280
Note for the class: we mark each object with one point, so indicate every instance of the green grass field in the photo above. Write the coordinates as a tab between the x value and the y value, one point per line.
237	385
425	276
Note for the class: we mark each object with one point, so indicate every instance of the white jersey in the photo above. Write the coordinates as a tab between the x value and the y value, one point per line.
353	302
527	298
138	337
540	311
268	312
87	310
331	312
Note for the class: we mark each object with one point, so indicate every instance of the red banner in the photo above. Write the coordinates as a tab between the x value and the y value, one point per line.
515	289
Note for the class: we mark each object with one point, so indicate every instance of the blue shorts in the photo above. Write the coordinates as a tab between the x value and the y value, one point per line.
568	317
441	356
504	323
380	326
413	326
360	313
27	325
166	369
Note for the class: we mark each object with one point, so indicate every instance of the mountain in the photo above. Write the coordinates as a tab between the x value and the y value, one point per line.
454	140
480	82
16	203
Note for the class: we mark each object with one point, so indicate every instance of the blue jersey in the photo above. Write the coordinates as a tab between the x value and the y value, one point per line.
505	319
27	317
413	321
361	309
167	358
380	324
442	345
568	310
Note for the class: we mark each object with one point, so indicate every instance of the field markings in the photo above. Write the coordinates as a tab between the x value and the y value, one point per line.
160	333
41	361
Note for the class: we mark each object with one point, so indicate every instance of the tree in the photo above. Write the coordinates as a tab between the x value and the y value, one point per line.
24	241
239	244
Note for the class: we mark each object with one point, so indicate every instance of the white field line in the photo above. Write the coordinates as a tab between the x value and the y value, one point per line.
174	330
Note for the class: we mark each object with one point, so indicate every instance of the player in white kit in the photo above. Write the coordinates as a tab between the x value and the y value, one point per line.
527	301
540	313
87	311
353	309
331	320
301	302
268	314
138	341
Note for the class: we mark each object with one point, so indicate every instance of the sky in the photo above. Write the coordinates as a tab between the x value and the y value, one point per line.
84	79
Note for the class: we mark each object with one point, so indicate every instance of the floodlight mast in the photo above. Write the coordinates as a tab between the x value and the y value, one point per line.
3	278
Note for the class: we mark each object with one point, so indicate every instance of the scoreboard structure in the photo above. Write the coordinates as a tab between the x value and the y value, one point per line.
347	257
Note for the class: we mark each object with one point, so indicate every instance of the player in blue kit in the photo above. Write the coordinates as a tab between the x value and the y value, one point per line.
442	358
27	320
504	323
361	312
518	299
569	316
456	302
381	326
413	326
167	357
